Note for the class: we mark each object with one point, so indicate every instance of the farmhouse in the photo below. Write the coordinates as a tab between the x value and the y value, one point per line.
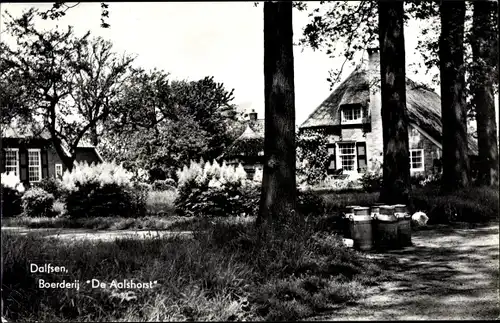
32	156
352	121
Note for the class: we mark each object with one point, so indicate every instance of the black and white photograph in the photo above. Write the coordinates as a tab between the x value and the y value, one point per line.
249	161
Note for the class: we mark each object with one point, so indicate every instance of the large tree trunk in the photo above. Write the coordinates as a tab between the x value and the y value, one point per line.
456	169
484	42
396	186
278	195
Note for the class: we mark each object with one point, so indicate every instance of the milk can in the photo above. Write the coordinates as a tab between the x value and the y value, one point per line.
386	227
361	229
404	225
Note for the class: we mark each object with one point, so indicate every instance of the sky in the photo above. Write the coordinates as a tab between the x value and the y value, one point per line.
191	40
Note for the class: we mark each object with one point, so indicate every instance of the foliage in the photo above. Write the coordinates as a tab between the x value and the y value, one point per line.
312	156
310	203
474	205
37	203
372	179
212	190
166	184
424	181
51	185
352	24
70	83
162	124
12	190
223	274
10	180
161	202
103	190
339	184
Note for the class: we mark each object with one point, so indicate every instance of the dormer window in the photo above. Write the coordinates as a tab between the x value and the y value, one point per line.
352	114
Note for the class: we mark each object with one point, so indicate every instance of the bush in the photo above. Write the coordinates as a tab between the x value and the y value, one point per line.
473	205
11	202
310	203
51	185
11	192
212	190
161	202
371	181
340	184
37	203
103	190
164	185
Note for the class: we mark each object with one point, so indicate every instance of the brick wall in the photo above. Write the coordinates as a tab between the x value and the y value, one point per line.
431	151
53	159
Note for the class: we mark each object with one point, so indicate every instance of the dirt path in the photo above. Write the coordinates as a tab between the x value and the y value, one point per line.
449	273
103	235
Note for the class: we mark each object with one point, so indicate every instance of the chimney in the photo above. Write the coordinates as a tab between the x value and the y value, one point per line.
252	115
373	65
373	59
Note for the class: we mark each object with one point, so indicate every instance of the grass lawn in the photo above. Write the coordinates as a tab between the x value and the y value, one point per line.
224	273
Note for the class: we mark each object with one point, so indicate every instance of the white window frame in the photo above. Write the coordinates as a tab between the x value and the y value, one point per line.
16	150
420	169
39	165
58	166
352	109
339	158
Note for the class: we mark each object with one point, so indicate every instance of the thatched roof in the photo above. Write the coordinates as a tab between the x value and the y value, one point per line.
424	105
249	143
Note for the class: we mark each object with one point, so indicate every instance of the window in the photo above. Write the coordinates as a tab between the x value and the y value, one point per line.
34	165
347	156
416	159
59	171
12	161
352	115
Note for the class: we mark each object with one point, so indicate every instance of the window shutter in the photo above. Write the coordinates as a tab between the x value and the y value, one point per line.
332	166
45	163
361	152
23	164
4	161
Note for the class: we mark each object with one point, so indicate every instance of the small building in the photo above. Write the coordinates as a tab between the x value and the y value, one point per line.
248	148
352	121
32	156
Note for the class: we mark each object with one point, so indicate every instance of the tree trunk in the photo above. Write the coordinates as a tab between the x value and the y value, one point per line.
94	137
484	41
456	169
396	186
278	194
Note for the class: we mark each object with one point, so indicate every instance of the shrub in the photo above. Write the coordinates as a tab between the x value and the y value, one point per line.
371	181
51	185
424	181
103	190
310	203
164	185
340	184
37	203
161	202
474	205
211	190
11	192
